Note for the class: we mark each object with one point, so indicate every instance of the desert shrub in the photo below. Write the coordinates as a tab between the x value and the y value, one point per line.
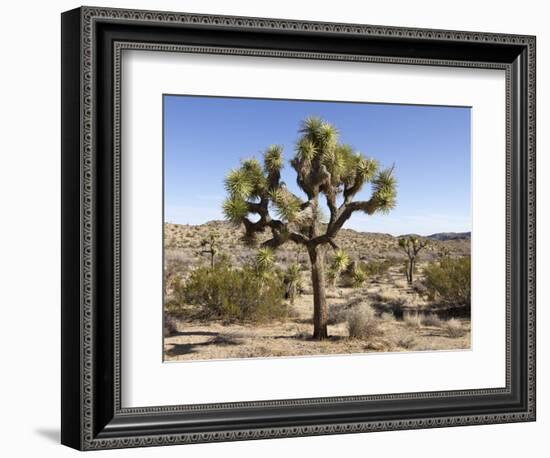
407	342
431	319
390	304
362	323
376	268
293	312
412	320
454	328
387	316
235	294
337	313
170	325
175	302
420	288
448	281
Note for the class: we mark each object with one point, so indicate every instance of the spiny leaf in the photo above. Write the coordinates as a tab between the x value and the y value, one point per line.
384	191
265	259
365	168
275	195
254	173
340	261
311	127
285	203
235	209
335	162
327	136
288	210
305	151
359	276
273	159
238	183
252	169
293	272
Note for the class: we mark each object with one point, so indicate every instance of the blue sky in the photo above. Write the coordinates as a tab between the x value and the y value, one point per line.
204	137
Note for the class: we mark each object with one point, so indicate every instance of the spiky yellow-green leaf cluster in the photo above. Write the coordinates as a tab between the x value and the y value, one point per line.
235	209
254	172
340	261
286	204
384	191
273	159
325	165
265	260
238	183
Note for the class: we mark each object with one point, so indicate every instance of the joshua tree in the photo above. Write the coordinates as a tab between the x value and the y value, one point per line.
358	276
211	245
292	280
411	246
326	169
340	262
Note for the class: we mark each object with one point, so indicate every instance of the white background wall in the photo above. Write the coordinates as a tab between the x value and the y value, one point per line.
30	214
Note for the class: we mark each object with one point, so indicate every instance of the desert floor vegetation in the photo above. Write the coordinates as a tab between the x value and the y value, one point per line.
209	298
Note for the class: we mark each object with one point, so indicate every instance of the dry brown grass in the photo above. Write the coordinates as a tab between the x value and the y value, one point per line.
455	328
362	324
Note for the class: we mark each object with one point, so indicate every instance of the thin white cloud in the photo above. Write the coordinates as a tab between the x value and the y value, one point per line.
192	214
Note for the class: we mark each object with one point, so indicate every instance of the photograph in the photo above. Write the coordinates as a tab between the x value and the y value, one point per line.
309	228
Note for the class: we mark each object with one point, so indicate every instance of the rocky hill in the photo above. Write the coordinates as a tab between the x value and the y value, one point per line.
183	242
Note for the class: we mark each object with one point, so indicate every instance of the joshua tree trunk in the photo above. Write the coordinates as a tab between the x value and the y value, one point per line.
320	313
410	271
411	246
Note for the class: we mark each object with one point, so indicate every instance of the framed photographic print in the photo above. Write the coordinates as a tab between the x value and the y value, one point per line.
278	228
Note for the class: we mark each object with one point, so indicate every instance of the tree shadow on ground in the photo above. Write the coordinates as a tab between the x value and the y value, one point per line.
303	320
180	349
194	333
309	338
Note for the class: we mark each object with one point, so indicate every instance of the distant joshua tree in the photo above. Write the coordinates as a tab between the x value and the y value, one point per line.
325	169
211	246
411	246
293	282
340	262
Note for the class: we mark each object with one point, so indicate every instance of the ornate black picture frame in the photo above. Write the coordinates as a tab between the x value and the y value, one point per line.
92	415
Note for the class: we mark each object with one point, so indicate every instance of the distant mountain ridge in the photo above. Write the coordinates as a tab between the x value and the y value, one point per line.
365	246
442	236
451	236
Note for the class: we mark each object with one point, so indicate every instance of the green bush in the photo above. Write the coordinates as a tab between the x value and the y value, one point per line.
235	294
448	281
377	268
